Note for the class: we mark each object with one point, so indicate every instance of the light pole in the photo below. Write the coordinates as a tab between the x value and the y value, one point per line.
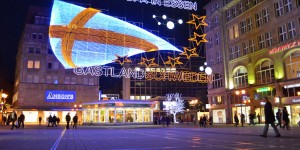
3	97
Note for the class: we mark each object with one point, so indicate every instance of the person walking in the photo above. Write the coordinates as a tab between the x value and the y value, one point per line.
21	120
242	119
68	119
278	117
270	119
285	118
40	120
13	119
236	120
50	119
54	119
258	118
251	117
75	120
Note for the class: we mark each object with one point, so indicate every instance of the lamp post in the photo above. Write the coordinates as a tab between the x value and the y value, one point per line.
241	92
3	97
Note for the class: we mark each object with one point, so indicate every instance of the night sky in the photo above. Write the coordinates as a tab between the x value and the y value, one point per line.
13	14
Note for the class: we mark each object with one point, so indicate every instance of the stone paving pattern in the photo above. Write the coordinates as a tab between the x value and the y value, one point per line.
146	137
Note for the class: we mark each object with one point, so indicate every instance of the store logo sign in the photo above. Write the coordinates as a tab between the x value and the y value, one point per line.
60	96
296	100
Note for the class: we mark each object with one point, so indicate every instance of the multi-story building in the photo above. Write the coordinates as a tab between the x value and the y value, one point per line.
42	85
254	53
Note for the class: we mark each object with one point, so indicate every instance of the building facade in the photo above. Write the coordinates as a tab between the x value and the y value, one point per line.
42	85
254	51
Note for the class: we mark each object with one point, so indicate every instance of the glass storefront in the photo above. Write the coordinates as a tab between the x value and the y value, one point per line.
48	113
246	110
295	115
64	113
31	116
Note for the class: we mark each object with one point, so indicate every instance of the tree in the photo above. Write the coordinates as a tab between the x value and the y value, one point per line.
175	104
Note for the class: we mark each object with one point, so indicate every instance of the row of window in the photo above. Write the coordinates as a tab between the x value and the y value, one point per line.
38	50
36	64
54	80
212	42
41	20
214	60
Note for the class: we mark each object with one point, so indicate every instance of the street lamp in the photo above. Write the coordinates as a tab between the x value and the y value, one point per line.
206	69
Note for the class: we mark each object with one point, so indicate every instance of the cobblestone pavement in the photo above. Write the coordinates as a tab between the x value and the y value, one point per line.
146	137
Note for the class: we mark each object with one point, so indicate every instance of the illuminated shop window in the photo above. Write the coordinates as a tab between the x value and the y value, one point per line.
293	65
241	78
265	72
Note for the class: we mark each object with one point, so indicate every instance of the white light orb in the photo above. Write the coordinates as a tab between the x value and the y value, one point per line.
201	68
153	16
180	21
137	69
208	70
164	17
205	63
170	25
159	23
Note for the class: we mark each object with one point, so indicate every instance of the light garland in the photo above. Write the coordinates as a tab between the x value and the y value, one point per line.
198	19
148	62
122	59
173	61
189	52
194	38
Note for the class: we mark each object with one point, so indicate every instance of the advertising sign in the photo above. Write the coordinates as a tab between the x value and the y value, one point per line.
219	116
60	96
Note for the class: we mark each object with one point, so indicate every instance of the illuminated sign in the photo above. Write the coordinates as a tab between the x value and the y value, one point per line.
262	103
284	47
181	4
296	100
183	76
60	96
291	86
86	37
263	89
239	104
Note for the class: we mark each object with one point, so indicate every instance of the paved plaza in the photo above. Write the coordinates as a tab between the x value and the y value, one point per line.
146	137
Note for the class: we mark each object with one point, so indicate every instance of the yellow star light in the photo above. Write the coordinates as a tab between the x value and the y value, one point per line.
198	21
122	59
198	36
189	52
173	61
148	62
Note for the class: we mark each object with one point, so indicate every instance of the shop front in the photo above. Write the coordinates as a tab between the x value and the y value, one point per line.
293	107
118	111
219	116
239	109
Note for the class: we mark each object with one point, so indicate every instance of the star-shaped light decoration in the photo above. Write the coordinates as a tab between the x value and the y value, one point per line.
198	21
173	61
148	62
189	52
196	36
122	59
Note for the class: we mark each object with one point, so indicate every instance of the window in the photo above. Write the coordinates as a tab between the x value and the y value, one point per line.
91	81
255	2
30	64
232	53
49	65
237	51
212	8
36	64
29	78
216	20
48	79
243	26
41	20
33	35
249	23
261	41
245	48
288	5
265	72
73	80
282	33
217	80
258	18
252	45
210	44
268	37
228	15
85	81
38	50
40	37
241	78
233	32
67	80
217	37
217	5
291	29
35	79
293	65
218	57
31	50
278	8
241	8
265	15
248	4
234	12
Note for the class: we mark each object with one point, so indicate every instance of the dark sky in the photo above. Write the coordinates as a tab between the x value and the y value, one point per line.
13	14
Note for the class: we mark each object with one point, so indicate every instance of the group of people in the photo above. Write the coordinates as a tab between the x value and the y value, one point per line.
204	121
283	118
52	120
16	122
74	119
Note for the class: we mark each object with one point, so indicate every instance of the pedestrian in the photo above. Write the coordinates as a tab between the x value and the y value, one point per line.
201	121
236	120
269	119
68	119
58	120
242	119
204	119
21	120
167	120
50	119
278	117
40	120
285	118
195	121
251	117
13	119
54	119
258	118
210	120
75	120
4	120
